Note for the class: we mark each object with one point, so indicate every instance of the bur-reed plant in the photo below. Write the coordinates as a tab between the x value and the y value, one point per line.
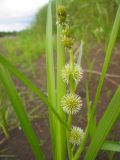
62	100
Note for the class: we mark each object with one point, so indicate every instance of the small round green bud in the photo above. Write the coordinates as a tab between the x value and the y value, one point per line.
61	11
66	31
67	41
61	20
61	15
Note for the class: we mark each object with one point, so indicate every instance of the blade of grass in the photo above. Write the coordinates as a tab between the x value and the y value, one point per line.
50	76
20	112
61	91
80	53
111	146
89	112
88	102
104	126
82	146
108	56
22	77
61	140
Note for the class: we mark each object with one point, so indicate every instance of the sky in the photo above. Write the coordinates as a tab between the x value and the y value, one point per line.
16	15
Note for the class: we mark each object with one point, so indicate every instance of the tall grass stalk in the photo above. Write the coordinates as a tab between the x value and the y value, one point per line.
104	126
61	91
50	76
20	112
111	44
108	56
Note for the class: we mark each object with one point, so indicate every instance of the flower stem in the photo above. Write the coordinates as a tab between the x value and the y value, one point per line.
71	59
72	86
73	148
68	137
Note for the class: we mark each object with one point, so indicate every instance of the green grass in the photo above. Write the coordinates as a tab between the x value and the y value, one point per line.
51	86
61	123
20	112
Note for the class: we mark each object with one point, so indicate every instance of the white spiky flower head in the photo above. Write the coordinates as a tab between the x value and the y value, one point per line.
76	135
71	103
76	72
66	71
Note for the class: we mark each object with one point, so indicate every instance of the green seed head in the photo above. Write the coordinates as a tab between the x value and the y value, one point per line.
61	15
67	41
66	31
61	11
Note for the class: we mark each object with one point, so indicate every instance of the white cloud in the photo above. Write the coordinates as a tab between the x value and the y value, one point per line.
13	27
11	10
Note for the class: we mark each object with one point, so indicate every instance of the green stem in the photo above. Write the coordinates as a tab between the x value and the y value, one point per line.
68	137
70	116
71	59
51	88
61	91
72	84
73	148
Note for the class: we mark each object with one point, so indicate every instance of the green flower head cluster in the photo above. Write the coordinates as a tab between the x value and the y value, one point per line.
66	38
61	15
67	41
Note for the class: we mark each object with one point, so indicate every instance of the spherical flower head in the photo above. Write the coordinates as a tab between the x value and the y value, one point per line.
61	11
61	20
76	135
61	15
76	73
71	103
66	71
66	31
67	41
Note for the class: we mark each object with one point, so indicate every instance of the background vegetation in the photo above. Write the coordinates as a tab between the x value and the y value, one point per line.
91	23
90	20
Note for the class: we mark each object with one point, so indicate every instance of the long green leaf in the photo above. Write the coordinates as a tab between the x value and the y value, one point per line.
104	126
108	56
30	85
61	91
104	70
111	146
20	112
22	77
50	76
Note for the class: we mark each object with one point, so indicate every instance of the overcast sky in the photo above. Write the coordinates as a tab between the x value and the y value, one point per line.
17	14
